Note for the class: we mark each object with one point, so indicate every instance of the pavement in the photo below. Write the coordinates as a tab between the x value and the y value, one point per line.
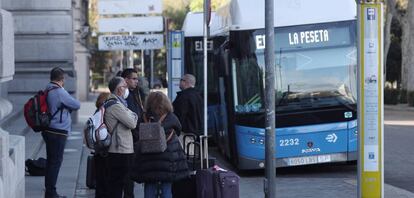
72	177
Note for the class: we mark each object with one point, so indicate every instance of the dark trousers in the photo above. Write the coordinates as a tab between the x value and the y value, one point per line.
55	145
129	183
118	173
128	187
101	176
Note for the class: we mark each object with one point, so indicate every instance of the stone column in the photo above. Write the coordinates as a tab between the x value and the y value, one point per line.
12	148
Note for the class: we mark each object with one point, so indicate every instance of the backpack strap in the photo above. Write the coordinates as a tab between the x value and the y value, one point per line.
162	118
60	108
171	135
106	105
138	99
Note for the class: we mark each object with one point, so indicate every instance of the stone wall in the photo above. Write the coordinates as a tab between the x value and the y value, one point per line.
43	40
12	147
82	55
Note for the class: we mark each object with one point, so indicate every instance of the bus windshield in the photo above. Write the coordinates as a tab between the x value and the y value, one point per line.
315	67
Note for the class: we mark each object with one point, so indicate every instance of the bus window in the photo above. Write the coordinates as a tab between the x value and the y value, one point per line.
247	85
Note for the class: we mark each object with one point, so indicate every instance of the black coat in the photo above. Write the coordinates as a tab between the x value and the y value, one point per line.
168	166
188	106
135	101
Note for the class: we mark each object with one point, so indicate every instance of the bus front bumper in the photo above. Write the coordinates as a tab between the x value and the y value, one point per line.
250	164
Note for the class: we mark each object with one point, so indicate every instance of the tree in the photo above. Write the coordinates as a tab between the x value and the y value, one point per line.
174	12
197	5
391	12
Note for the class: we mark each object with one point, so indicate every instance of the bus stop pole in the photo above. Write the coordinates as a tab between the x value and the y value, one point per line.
205	34
370	99
270	168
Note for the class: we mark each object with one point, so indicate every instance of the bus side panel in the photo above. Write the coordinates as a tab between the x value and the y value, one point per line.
352	136
294	141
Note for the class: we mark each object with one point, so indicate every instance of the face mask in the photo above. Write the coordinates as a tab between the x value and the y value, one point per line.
126	93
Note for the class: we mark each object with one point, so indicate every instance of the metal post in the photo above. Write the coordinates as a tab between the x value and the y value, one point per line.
205	32
270	168
152	68
205	35
130	57
370	100
142	63
121	65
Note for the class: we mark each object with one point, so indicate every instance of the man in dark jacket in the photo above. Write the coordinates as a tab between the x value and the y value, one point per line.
188	106
135	101
61	104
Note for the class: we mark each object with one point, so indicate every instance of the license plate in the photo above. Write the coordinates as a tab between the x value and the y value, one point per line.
296	161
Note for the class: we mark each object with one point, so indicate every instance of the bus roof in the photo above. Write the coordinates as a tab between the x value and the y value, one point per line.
249	14
193	24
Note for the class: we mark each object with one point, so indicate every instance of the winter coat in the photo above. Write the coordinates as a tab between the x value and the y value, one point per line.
168	166
121	136
188	106
135	101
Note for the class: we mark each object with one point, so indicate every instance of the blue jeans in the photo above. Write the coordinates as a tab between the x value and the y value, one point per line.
151	189
55	145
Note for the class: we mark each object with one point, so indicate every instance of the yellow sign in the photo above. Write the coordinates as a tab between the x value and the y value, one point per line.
370	103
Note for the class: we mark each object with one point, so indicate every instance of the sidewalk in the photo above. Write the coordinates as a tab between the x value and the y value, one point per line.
399	107
72	177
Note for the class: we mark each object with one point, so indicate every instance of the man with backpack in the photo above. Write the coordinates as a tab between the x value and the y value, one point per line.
119	121
60	104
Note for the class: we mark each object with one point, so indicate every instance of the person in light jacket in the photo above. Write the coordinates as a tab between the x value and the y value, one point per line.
119	121
60	104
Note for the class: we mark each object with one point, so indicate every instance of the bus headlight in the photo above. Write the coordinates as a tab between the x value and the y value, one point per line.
252	140
261	141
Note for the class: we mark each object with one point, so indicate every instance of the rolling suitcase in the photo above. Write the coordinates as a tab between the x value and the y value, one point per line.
215	182
187	187
90	172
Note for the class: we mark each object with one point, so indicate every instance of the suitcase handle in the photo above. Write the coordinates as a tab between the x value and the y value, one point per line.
196	156
196	144
188	136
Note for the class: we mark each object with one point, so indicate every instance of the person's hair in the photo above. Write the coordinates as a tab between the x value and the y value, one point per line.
114	82
158	103
127	72
101	99
57	74
190	79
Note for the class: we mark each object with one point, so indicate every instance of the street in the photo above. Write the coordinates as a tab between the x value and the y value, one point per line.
398	139
329	179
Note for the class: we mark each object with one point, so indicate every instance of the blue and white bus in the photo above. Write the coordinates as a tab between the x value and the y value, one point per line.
316	87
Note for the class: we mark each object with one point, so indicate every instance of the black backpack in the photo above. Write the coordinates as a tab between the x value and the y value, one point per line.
36	167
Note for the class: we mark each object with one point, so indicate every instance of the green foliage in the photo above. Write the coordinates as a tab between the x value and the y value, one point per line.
411	98
197	5
391	96
174	12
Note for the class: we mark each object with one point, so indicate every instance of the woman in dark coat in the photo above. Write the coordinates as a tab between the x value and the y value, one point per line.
159	170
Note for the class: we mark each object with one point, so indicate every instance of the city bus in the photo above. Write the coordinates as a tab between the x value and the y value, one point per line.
315	81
